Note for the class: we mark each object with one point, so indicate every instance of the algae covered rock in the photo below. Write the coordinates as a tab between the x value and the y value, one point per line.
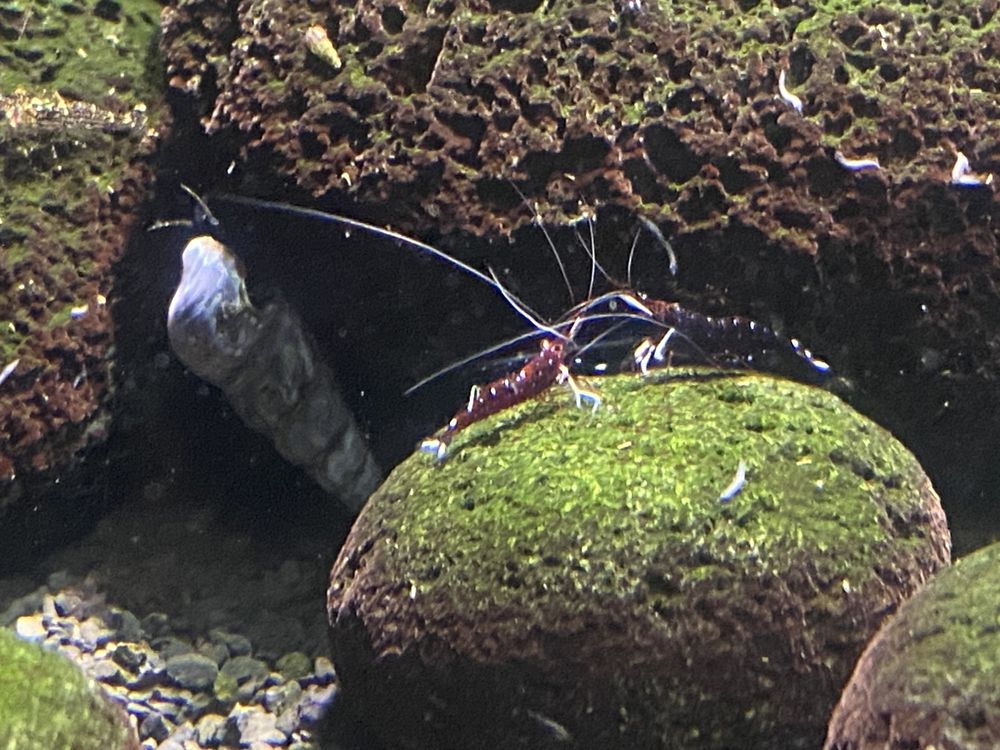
79	99
47	703
574	579
931	677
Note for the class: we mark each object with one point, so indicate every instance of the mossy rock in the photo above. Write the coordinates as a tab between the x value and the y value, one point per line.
46	703
570	579
931	677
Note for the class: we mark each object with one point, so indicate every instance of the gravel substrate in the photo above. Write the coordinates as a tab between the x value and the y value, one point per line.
209	630
183	693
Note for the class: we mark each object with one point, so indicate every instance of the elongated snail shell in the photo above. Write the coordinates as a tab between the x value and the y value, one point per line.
267	366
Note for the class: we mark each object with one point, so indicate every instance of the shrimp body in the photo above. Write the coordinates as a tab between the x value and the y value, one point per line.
537	374
732	335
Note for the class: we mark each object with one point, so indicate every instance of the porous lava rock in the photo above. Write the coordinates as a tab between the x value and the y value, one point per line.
442	115
572	579
46	702
930	678
76	110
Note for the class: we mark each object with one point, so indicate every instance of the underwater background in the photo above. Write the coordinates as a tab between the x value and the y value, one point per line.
698	563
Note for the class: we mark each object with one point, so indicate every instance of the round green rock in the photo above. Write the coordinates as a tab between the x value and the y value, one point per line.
569	577
46	702
931	677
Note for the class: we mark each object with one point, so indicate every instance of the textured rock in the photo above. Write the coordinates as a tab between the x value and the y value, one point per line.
563	576
46	702
76	107
440	113
930	678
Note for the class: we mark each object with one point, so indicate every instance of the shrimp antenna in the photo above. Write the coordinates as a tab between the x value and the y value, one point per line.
313	213
471	358
548	238
206	213
523	311
203	215
527	336
631	257
592	254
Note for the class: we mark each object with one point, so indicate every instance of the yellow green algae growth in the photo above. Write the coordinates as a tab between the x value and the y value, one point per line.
550	529
932	674
649	468
46	703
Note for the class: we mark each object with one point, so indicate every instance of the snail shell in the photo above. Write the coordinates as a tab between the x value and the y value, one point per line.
267	366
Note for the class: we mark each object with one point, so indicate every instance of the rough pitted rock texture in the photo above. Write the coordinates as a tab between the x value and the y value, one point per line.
930	677
569	577
47	703
442	113
75	112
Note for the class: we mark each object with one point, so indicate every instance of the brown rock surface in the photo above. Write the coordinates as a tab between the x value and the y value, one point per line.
440	114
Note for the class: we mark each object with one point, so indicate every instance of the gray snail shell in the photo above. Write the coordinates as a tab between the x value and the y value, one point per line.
267	366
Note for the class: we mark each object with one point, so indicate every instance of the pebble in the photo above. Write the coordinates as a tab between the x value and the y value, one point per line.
128	659
192	671
31	628
169	684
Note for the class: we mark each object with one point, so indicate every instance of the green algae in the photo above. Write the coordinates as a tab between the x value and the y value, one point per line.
933	672
647	468
80	96
46	703
604	538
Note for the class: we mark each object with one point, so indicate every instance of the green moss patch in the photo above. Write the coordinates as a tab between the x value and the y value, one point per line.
46	703
931	677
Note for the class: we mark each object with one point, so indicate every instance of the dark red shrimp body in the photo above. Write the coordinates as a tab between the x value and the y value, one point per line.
732	335
537	374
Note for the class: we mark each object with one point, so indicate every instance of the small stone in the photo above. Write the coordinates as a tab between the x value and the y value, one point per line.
154	727
280	697
288	720
139	710
225	687
30	628
48	606
257	726
199	704
211	730
67	603
147	678
169	647
313	704
128	658
106	672
93	632
155	624
238	645
192	671
247	671
126	626
323	671
217	652
294	665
